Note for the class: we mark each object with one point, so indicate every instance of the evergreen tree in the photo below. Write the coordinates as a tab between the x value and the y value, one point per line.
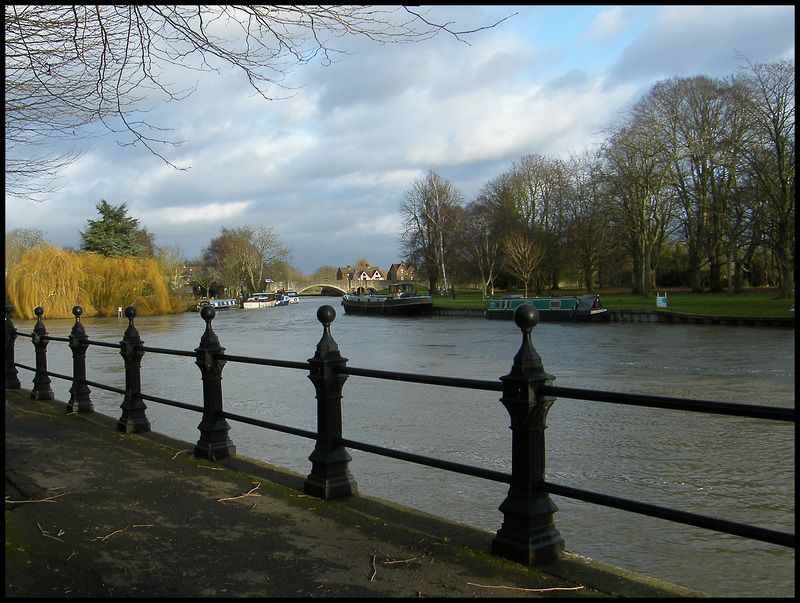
115	235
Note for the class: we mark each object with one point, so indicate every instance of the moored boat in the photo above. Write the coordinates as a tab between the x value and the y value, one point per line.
401	301
218	304
290	296
256	301
552	308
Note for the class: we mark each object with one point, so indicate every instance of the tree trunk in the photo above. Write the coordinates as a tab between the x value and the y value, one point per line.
783	258
730	270
695	276
588	277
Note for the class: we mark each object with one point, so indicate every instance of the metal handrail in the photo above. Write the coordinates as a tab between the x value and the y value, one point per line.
214	353
772	413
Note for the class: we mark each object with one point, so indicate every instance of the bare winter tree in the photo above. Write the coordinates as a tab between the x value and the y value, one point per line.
524	259
482	243
588	224
171	263
18	241
635	172
771	157
428	220
74	72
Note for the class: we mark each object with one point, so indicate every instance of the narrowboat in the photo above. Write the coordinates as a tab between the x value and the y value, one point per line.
551	308
218	304
402	300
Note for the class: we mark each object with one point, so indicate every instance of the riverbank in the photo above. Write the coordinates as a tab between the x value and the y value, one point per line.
91	512
756	303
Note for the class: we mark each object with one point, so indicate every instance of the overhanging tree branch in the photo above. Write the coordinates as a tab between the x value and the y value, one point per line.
75	72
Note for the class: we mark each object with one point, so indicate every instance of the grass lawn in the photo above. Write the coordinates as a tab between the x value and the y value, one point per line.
758	302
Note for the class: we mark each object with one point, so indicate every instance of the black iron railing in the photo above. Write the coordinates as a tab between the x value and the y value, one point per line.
528	533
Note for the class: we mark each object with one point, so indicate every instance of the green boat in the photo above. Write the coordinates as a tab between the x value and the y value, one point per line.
551	308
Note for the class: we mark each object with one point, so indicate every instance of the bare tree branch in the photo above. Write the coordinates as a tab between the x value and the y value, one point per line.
76	72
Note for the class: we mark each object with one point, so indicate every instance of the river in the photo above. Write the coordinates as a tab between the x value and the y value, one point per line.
728	467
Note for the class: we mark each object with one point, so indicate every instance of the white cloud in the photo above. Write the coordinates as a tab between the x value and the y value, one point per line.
212	212
609	24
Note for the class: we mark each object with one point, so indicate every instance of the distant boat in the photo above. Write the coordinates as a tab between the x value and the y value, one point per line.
256	301
551	308
402	300
218	304
290	297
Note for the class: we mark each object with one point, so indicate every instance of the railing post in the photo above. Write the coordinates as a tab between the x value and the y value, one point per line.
41	381
133	419
12	377
79	400
528	534
330	474
214	442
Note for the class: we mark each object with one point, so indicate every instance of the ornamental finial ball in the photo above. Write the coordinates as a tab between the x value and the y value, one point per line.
326	315
526	317
130	312
208	313
77	311
38	310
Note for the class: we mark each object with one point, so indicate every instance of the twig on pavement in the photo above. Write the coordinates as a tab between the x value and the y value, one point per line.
246	494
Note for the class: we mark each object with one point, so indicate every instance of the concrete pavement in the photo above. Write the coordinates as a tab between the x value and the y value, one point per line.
92	512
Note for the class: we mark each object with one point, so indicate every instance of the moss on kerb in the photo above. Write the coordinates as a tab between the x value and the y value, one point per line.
468	554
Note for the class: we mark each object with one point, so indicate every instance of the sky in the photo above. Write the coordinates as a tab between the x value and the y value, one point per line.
328	165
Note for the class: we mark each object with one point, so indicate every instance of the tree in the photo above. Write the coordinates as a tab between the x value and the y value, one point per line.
770	154
171	263
76	72
499	195
635	176
482	243
270	254
540	188
201	276
427	236
18	241
256	251
116	234
241	257
222	259
588	224
58	280
524	259
751	232
701	122
323	273
146	239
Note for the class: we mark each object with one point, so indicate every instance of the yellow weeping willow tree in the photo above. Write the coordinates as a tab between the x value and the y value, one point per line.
58	280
